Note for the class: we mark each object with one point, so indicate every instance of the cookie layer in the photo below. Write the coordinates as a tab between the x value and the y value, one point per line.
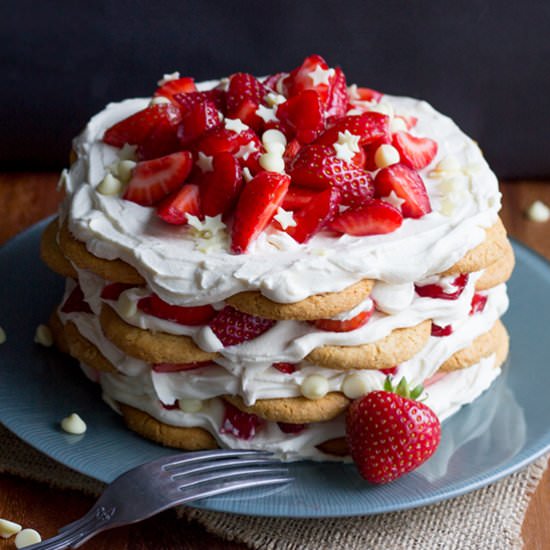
111	270
52	255
318	306
499	271
188	439
396	347
152	347
58	332
294	410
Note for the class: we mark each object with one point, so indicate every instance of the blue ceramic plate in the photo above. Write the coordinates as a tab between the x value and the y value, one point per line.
501	432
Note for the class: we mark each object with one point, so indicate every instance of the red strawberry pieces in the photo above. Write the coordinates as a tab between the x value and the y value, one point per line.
175	208
337	102
313	74
415	152
287	368
440	331
257	204
191	316
479	301
298	197
199	117
375	218
293	429
76	303
232	326
113	291
437	291
389	435
407	184
240	424
244	95
222	140
370	127
345	325
177	86
220	188
152	180
304	113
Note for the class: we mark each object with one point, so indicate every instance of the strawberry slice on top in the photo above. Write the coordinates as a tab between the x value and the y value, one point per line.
338	99
244	95
152	180
199	117
313	74
407	184
304	113
257	204
175	208
375	218
370	127
170	88
415	152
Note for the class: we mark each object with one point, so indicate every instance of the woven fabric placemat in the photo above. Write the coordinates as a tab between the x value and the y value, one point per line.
488	518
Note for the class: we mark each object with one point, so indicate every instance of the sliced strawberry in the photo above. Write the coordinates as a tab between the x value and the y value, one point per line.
370	127
190	316
347	325
409	120
375	218
258	202
315	215
161	141
186	101
113	290
368	94
437	291
292	149
170	406
304	113
235	327
415	152
137	127
312	74
220	188
272	81
390	371
199	117
338	99
152	180
182	85
240	424
287	368
180	367
174	208
222	140
298	197
479	301
288	428
75	302
439	331
408	185
244	94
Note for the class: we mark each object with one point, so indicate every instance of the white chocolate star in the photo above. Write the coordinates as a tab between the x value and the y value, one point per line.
273	99
246	150
346	146
168	77
205	163
209	227
285	218
394	200
320	75
266	114
235	125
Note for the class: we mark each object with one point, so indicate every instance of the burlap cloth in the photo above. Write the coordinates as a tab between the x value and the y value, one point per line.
490	518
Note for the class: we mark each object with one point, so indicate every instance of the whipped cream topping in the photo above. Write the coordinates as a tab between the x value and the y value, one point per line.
183	273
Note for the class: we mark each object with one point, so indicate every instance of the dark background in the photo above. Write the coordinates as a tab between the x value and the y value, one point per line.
484	63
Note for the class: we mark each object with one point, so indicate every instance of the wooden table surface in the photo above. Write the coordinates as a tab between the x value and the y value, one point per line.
27	198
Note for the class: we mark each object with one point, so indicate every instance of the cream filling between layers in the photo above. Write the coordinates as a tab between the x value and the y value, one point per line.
284	271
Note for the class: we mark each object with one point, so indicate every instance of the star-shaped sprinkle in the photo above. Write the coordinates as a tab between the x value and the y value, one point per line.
205	162
285	218
273	99
128	152
346	146
320	75
246	150
267	115
208	228
168	77
394	200
235	125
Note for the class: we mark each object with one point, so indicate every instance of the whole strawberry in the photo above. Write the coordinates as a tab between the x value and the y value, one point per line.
390	434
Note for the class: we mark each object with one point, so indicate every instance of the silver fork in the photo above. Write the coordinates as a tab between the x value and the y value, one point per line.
156	486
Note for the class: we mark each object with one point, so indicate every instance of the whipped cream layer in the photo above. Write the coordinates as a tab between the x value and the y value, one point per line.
168	257
445	397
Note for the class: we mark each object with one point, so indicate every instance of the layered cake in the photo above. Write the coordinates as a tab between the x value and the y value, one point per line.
246	258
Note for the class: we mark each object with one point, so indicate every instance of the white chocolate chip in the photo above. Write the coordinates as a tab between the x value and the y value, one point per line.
397	124
126	307
273	136
159	100
168	77
73	424
8	528
448	164
447	206
124	170
128	152
538	212
110	185
190	405
383	108
43	336
360	383
27	537
2	336
272	162
314	387
273	99
386	155
275	147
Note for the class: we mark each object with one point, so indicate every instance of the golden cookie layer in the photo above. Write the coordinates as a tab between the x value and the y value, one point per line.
318	306
58	332
396	347
499	271
52	255
188	439
294	410
111	270
152	347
